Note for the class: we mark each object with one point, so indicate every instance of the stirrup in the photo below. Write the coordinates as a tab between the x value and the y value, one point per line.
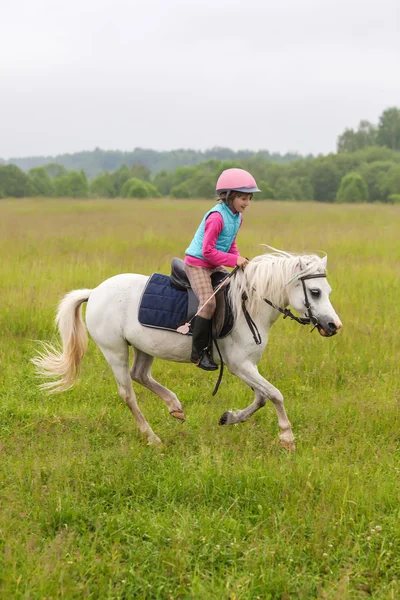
205	362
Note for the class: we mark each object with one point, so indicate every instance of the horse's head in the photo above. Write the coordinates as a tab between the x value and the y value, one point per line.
309	295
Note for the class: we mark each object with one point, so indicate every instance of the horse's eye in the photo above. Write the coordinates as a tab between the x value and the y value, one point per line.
315	293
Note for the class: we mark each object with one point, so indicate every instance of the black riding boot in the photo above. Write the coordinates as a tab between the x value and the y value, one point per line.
202	345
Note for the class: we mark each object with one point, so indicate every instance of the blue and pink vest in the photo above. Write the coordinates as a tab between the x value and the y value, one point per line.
226	237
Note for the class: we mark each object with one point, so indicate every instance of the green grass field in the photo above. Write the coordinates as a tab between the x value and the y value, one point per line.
87	510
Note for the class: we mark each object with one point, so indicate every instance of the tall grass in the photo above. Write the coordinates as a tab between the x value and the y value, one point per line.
88	510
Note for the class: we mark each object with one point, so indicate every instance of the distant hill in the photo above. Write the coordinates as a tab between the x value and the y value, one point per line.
95	161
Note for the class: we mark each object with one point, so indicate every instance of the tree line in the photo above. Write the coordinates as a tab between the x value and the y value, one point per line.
97	161
364	169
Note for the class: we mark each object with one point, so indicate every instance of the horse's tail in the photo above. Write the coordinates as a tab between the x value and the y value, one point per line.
64	363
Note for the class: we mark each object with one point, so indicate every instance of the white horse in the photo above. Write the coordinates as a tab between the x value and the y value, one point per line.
270	283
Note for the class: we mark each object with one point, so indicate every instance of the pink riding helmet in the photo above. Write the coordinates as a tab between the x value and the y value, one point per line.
237	180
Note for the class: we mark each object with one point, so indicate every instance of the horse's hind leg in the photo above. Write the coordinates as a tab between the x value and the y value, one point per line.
141	373
118	359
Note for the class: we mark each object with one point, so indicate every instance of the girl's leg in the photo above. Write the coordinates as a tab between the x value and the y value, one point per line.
200	281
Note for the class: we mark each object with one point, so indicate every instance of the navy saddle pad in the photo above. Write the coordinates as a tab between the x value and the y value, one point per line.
163	306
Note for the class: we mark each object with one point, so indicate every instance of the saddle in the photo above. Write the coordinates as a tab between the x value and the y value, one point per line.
168	301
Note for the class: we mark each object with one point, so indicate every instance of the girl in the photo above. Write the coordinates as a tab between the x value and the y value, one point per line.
212	248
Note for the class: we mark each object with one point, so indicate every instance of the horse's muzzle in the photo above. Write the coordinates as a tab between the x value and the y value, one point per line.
329	329
325	333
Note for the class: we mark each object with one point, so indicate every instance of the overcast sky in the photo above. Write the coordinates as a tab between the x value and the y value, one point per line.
281	75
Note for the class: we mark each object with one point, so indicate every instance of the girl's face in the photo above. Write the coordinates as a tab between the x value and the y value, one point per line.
241	202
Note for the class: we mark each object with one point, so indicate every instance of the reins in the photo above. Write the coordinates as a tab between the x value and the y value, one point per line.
252	326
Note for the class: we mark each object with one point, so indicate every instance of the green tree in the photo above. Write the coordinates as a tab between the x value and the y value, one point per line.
102	186
352	189
119	178
54	170
257	166
41	182
351	141
374	174
375	153
347	141
267	193
212	167
183	174
228	164
269	172
181	190
389	183
325	180
305	187
138	171
72	185
296	188
14	182
389	128
164	182
137	188
202	186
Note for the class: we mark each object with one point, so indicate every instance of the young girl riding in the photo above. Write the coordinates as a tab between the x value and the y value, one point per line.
214	247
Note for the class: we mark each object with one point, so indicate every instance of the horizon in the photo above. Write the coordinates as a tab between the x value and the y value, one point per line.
181	149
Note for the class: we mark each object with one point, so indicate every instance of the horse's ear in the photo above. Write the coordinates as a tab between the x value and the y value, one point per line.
301	265
325	261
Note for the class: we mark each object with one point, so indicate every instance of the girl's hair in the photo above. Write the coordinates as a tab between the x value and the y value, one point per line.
221	196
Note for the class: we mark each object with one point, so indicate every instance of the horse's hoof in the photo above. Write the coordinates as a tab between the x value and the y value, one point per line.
289	446
224	419
178	414
154	441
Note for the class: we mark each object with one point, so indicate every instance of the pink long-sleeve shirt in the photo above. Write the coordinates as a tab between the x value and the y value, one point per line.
213	257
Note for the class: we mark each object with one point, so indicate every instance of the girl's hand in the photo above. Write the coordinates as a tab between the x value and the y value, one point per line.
242	262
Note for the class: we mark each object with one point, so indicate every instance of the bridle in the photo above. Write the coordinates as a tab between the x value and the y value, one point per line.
309	320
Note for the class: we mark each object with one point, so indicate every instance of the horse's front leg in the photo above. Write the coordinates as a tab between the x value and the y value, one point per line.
248	373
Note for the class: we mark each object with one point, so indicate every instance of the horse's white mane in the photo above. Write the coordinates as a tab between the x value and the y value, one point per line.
269	276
